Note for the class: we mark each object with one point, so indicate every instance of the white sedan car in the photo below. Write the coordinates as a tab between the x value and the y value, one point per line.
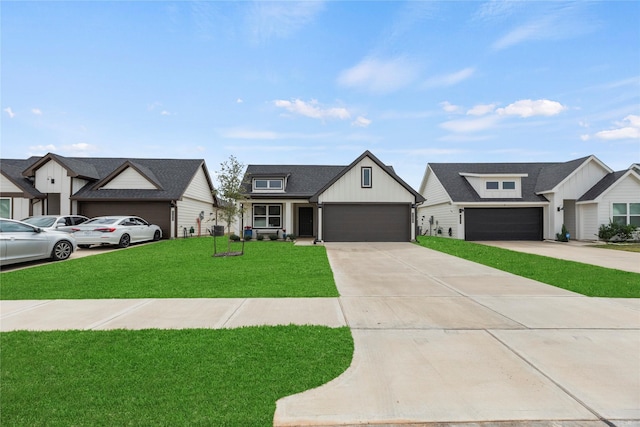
115	230
21	242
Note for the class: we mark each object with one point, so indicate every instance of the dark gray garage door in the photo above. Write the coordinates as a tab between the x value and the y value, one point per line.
366	222
158	213
503	223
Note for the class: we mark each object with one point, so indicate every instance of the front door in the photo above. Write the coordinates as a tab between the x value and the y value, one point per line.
305	222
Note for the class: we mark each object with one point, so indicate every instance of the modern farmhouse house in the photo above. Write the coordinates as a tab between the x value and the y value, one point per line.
364	201
176	194
527	201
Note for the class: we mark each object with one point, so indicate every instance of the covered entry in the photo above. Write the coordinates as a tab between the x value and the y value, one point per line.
366	222
503	223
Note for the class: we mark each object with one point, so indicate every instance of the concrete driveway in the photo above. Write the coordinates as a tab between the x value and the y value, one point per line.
575	251
443	340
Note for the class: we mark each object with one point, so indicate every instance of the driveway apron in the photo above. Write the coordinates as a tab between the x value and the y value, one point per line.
442	340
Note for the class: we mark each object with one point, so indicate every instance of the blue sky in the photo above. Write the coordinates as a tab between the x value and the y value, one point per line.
321	82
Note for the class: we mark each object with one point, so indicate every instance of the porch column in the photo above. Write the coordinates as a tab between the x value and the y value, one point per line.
288	218
414	213
319	237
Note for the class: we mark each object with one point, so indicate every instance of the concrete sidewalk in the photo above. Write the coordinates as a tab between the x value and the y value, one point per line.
170	313
442	341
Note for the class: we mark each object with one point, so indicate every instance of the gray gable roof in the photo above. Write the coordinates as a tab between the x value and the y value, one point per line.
302	180
308	181
460	190
554	173
172	176
12	169
607	182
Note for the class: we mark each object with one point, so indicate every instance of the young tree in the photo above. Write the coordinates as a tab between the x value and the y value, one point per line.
230	192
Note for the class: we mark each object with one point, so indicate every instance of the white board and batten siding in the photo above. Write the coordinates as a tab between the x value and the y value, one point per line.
196	199
384	188
52	178
129	179
578	183
438	205
19	205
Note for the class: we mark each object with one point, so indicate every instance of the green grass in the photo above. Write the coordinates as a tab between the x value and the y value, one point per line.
163	377
627	247
585	279
182	268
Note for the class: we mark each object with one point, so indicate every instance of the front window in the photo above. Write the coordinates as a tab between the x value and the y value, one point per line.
492	185
626	213
5	208
267	216
268	184
366	177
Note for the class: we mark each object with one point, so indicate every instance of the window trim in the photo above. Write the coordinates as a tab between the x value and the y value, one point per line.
497	185
268	182
627	214
366	180
10	202
510	183
266	215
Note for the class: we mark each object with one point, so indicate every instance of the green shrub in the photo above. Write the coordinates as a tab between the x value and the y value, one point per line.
273	236
616	231
562	236
260	237
234	237
291	237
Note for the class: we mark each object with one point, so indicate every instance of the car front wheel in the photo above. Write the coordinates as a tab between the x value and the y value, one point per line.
156	235
61	250
125	241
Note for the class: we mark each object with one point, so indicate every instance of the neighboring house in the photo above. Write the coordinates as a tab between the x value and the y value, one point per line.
527	201
175	194
365	201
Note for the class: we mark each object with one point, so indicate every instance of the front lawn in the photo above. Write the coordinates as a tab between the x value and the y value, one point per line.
182	268
585	279
163	377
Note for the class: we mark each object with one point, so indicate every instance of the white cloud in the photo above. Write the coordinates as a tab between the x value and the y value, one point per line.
380	76
449	107
78	149
239	101
281	19
481	109
10	112
555	21
165	113
41	150
362	122
448	79
470	125
36	111
241	133
312	109
528	108
629	128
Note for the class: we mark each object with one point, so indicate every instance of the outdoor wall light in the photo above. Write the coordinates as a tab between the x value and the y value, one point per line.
560	208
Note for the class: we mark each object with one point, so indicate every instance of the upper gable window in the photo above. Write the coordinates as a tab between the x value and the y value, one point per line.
508	185
366	177
492	185
268	184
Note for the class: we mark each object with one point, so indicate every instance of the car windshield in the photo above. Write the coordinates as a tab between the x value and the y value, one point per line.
101	221
40	221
